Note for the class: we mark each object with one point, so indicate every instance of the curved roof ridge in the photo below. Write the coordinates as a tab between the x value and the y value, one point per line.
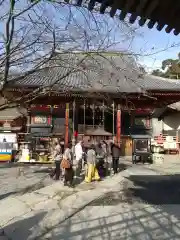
113	74
165	79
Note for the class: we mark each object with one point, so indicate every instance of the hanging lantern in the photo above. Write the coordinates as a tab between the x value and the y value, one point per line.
75	134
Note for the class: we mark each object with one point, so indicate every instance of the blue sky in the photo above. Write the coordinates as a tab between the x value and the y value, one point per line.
145	42
152	45
154	41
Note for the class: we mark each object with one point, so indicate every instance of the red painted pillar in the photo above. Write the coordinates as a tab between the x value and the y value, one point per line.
118	126
66	125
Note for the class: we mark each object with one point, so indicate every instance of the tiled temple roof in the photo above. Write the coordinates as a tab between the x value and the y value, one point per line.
12	113
175	106
154	83
103	72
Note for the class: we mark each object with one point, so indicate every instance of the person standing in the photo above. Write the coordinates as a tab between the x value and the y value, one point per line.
100	155
106	152
57	155
78	155
69	172
91	170
115	151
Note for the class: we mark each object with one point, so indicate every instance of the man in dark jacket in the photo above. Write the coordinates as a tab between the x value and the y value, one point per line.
100	155
115	151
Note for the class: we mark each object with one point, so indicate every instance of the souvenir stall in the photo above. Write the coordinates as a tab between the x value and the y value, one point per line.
98	134
141	149
8	143
12	121
46	126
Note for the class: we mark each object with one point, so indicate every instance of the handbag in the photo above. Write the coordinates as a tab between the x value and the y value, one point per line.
65	163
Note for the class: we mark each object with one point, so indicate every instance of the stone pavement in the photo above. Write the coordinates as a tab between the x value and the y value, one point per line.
145	207
20	180
56	212
31	215
170	166
120	222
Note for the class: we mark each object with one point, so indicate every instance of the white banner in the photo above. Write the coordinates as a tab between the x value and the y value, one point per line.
8	137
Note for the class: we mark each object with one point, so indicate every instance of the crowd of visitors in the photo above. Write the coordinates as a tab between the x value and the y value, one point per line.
94	159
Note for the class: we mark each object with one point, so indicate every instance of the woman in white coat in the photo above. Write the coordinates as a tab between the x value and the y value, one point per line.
79	156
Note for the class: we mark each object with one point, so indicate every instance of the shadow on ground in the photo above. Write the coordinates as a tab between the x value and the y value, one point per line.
5	195
28	189
123	166
112	223
24	228
149	189
116	215
9	165
155	189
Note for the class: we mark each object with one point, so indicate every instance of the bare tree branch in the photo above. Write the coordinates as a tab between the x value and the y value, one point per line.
37	34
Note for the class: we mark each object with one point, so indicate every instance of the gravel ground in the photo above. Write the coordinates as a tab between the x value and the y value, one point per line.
21	179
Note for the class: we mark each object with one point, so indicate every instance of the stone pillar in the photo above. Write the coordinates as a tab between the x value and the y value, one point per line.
66	139
118	125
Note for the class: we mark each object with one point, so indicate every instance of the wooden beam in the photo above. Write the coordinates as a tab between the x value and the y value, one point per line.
142	21
122	15
151	24
133	18
118	125
91	4
150	8
168	29
103	6
141	6
66	140
176	32
160	26
113	10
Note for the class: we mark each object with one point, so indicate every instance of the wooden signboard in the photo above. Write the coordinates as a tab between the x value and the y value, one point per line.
41	120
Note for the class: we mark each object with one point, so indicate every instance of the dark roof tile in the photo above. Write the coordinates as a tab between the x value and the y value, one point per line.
12	113
157	83
103	72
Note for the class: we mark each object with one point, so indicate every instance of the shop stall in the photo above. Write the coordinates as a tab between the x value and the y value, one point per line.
141	149
7	145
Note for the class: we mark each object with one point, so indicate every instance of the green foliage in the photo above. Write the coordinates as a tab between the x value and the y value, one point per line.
158	73
171	69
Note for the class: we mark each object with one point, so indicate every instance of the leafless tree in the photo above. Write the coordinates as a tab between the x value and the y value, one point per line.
32	34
